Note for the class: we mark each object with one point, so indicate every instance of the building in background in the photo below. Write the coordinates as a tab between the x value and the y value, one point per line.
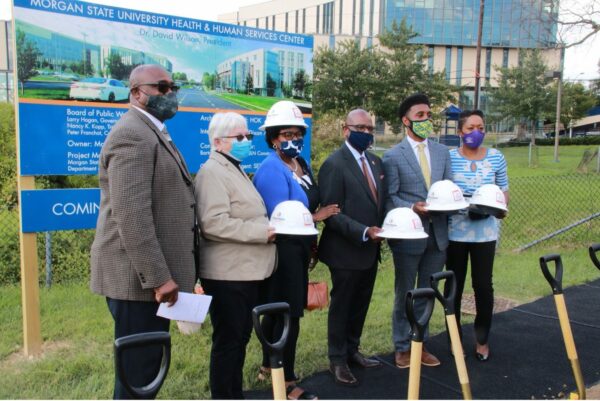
6	62
448	28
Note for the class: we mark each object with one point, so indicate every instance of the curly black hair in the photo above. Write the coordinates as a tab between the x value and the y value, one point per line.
464	115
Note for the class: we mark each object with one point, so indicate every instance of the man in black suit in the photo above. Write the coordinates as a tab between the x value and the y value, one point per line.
352	178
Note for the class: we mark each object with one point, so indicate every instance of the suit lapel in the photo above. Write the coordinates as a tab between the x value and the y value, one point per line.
357	171
412	161
171	149
437	167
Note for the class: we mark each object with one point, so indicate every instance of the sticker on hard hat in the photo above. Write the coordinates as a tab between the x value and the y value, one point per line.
308	221
457	195
297	112
417	224
500	198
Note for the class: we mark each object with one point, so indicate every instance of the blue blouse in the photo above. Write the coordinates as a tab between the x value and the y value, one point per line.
470	175
275	183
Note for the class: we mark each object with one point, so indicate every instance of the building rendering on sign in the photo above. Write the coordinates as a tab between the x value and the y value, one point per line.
448	28
260	66
58	52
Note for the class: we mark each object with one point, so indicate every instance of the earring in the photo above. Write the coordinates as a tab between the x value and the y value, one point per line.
274	147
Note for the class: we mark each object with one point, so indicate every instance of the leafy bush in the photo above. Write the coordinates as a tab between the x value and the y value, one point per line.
326	138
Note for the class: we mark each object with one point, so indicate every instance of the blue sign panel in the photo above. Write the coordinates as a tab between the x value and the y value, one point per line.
68	139
59	209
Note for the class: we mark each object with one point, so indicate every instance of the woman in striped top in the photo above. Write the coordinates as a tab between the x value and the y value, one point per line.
473	236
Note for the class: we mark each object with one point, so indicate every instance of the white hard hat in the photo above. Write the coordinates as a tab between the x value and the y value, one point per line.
403	223
283	113
292	217
188	328
488	199
445	196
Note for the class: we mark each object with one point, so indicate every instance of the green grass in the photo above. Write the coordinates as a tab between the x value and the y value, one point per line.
77	334
569	157
54	94
251	102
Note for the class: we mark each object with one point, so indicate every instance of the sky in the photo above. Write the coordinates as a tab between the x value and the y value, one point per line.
581	62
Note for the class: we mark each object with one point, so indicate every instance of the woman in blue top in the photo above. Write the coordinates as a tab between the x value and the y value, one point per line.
285	175
473	235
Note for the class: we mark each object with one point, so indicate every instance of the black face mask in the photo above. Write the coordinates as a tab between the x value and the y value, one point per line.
163	107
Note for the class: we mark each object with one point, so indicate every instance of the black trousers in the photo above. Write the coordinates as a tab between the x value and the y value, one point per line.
231	318
350	297
141	364
482	263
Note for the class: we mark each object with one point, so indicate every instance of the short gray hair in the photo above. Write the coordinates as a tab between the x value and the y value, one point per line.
222	124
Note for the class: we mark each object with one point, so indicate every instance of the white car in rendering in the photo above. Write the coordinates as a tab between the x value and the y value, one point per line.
97	88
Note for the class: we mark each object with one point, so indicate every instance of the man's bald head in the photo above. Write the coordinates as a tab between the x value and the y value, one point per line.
144	73
357	114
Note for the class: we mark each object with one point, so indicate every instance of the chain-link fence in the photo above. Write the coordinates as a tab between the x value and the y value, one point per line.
552	211
545	212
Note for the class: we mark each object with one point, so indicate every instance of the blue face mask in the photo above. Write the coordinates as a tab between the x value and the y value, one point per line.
240	150
292	148
360	140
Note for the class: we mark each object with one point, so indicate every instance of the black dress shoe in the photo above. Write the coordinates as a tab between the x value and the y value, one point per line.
343	375
360	360
482	357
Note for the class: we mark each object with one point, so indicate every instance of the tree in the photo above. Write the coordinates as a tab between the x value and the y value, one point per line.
249	84
300	80
180	76
271	85
377	78
208	81
576	101
8	157
522	92
27	55
405	73
345	78
571	22
116	68
84	68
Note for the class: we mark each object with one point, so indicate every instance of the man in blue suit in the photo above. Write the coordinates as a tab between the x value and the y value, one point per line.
410	168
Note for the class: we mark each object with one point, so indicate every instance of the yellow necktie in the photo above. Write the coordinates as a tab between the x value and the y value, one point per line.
424	164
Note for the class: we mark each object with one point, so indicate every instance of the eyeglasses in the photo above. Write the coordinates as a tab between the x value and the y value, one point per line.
162	86
240	137
291	134
363	128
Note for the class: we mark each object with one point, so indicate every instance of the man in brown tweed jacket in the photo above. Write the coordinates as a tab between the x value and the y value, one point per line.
143	252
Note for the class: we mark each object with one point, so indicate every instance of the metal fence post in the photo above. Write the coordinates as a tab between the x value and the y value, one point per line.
48	259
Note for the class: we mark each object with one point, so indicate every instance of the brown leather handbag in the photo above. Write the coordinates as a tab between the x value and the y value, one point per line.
318	295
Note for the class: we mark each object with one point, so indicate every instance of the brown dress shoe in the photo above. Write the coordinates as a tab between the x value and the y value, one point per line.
402	359
343	375
360	360
428	359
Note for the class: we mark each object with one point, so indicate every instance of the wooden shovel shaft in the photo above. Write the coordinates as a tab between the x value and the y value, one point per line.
459	359
414	376
278	384
565	327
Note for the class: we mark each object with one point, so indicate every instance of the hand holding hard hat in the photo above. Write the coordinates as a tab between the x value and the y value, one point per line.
293	218
489	199
445	197
402	223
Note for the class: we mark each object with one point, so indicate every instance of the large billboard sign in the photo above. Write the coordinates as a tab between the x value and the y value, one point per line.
74	59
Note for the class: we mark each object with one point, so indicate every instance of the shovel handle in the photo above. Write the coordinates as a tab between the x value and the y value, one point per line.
275	308
122	344
556	280
418	324
593	249
450	287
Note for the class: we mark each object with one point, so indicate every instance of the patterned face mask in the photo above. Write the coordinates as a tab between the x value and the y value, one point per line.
422	128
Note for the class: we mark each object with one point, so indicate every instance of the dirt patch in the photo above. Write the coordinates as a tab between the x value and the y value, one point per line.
48	348
500	304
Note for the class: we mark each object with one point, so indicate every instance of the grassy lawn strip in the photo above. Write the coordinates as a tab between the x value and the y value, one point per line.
77	332
54	94
251	102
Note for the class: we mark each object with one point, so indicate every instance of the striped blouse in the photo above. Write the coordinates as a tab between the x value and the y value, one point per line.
470	175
